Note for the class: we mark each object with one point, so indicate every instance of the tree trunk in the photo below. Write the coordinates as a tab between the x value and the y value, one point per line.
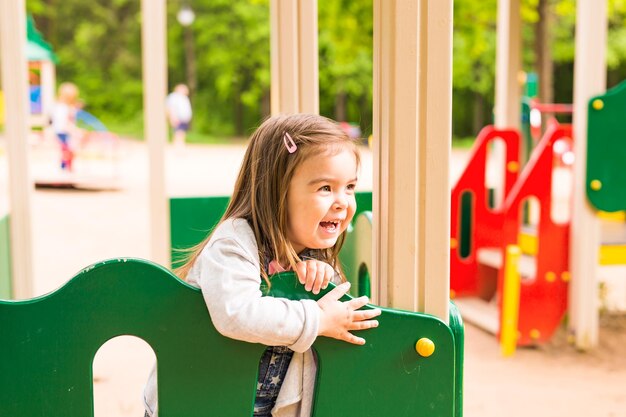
44	22
543	51
266	108
341	100
190	61
238	115
478	121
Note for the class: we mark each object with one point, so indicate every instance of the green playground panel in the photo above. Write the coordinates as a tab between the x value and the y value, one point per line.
356	254
48	345
193	218
525	128
5	258
606	150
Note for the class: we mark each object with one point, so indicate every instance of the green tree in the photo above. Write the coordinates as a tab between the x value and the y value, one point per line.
346	67
98	45
232	50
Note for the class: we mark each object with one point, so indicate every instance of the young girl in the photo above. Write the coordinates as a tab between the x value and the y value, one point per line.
292	202
64	121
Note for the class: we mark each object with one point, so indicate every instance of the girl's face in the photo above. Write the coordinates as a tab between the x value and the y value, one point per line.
320	200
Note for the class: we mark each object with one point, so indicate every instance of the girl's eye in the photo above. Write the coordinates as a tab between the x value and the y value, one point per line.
351	187
325	188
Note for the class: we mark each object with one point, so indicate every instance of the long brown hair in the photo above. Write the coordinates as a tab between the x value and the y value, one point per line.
260	194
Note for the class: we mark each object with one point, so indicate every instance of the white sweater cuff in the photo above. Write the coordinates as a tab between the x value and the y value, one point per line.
311	326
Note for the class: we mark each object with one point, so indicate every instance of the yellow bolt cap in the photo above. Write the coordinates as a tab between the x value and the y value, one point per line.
453	243
596	185
535	334
550	276
425	347
566	276
597	104
512	166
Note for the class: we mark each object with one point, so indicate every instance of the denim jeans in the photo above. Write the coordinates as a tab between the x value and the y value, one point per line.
272	370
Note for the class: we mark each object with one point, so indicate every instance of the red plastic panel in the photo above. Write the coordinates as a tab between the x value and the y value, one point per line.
486	222
543	299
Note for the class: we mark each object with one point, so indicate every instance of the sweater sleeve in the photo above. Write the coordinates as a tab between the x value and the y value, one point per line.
229	276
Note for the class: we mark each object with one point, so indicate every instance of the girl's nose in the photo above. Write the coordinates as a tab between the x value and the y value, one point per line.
341	201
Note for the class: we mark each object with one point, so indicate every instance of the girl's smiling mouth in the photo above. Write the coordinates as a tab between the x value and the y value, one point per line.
331	226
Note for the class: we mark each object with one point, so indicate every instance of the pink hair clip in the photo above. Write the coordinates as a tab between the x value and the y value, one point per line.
289	143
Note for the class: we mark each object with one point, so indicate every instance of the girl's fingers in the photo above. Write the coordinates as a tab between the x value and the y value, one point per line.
336	293
365	314
328	276
363	325
357	303
311	272
319	280
301	272
350	338
314	275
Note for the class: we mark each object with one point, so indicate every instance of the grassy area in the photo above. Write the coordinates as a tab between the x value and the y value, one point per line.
130	128
133	129
463	142
203	138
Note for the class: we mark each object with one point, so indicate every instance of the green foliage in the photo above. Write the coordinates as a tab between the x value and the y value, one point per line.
232	52
346	68
99	48
474	45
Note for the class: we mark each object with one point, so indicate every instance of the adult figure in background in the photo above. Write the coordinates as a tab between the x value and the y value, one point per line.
179	113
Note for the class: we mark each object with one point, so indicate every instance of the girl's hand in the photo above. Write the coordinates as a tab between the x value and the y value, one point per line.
314	274
339	318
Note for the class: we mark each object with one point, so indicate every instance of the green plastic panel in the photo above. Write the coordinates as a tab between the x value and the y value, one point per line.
193	218
5	258
363	202
458	330
356	254
386	377
606	150
48	345
525	129
467	208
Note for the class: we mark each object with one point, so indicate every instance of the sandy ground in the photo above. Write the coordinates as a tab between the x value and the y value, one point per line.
73	229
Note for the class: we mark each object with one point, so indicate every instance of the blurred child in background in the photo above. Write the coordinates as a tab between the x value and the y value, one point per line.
64	121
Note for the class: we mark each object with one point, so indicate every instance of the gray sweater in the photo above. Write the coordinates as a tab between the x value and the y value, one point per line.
229	274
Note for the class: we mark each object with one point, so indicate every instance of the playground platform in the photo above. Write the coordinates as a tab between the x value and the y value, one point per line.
75	228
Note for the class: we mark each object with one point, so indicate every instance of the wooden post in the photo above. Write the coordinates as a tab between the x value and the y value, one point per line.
154	50
294	56
589	80
48	85
508	66
15	86
412	136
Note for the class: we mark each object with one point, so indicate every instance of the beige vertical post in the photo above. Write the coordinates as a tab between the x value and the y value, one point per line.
507	100
294	56
154	50
48	83
15	85
508	64
589	80
412	129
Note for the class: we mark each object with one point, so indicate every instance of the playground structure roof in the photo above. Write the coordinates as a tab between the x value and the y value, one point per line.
37	49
